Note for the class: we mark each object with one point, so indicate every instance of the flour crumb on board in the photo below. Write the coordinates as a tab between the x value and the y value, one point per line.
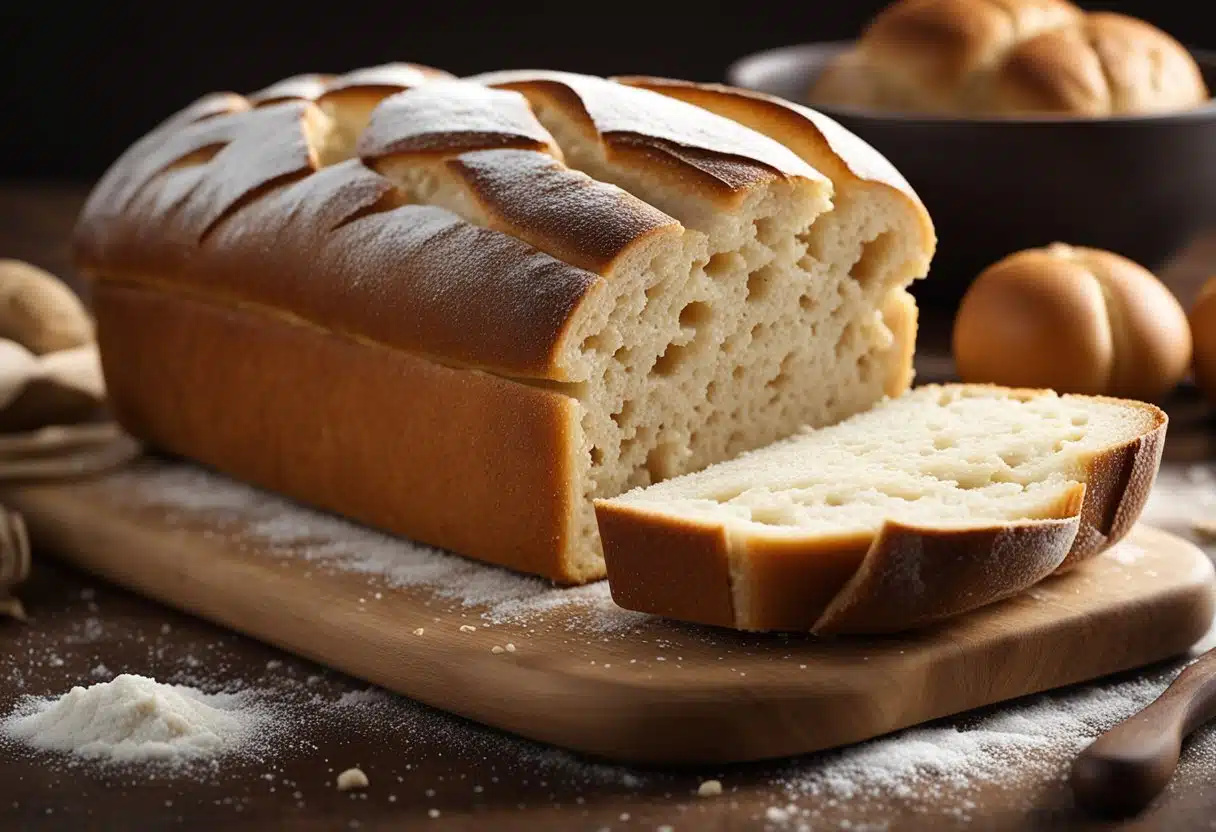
352	778
467	628
284	529
709	788
420	631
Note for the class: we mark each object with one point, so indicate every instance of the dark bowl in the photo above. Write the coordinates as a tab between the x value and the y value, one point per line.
1141	186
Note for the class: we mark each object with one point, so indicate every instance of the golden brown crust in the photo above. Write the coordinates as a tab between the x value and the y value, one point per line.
195	378
107	202
851	584
650	131
451	117
780	585
1105	64
1203	328
1009	57
489	142
939	44
414	277
912	577
1118	482
819	140
694	583
577	219
1073	319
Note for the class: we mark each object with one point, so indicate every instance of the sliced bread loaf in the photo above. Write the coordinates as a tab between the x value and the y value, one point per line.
458	310
939	502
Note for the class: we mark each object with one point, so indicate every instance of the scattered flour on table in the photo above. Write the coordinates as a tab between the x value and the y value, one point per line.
133	719
286	529
935	769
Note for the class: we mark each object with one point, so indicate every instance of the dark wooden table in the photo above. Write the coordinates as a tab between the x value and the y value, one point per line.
427	769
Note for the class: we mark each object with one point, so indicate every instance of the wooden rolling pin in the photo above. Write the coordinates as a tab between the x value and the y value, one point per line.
1124	769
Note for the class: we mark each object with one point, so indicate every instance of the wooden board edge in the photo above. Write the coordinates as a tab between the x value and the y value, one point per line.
638	717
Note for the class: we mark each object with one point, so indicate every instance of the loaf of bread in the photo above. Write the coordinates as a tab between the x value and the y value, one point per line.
459	310
924	507
1075	320
1203	329
1011	57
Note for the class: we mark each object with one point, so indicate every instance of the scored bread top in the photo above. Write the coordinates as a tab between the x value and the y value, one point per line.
818	139
636	123
450	117
284	200
486	145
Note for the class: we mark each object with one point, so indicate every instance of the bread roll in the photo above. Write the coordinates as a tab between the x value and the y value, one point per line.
1075	320
1013	57
1203	329
39	312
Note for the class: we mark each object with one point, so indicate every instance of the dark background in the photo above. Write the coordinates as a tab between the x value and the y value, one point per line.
81	80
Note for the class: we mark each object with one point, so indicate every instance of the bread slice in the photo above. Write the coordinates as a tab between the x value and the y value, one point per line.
938	502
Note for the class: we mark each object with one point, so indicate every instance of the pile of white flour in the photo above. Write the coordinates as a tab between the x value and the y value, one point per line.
134	719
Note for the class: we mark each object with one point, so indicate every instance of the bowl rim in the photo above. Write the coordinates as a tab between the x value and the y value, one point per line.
1206	59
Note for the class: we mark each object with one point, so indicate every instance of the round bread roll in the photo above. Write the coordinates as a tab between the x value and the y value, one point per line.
1203	329
1075	320
39	311
1028	57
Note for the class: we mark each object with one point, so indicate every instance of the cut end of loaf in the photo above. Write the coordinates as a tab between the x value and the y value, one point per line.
935	492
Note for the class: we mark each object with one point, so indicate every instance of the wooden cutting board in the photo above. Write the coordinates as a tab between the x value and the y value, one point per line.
583	674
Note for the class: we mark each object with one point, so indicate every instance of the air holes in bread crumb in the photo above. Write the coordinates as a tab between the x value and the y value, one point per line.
759	282
696	314
874	255
671	359
722	264
768	232
661	461
1014	458
596	343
